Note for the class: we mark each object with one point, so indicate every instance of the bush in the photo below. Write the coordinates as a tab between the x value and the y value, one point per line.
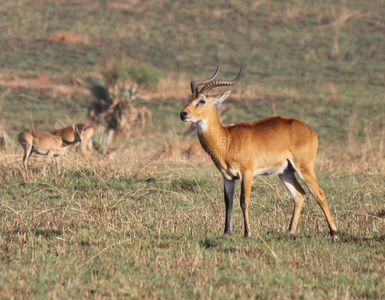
144	76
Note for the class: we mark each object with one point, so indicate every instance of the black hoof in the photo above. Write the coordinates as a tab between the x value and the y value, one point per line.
334	235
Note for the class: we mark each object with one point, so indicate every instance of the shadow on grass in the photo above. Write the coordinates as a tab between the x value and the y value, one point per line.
46	233
381	214
347	238
230	243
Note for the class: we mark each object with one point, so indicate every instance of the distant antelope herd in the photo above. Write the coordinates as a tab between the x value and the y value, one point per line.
272	146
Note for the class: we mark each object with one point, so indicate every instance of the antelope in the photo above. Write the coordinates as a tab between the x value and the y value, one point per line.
68	133
272	146
43	143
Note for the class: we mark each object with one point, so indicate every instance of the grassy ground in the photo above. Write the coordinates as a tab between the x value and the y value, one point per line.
122	225
113	229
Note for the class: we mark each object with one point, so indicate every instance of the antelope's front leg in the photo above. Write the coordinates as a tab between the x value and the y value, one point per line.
48	161
229	187
56	159
247	180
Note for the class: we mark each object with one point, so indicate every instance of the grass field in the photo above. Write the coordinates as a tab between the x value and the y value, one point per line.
123	225
113	229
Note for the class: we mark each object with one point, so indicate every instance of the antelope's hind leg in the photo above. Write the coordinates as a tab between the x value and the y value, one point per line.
27	154
292	185
309	177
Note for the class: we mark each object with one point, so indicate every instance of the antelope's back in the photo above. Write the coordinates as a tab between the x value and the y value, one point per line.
279	133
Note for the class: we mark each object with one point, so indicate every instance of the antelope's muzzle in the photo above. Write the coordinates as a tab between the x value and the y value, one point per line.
183	115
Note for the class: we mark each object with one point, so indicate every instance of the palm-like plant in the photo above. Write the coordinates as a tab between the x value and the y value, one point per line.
117	106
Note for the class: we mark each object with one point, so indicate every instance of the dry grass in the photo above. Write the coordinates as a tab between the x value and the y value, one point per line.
356	159
124	225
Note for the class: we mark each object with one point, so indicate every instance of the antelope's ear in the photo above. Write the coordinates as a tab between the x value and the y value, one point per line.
75	128
217	99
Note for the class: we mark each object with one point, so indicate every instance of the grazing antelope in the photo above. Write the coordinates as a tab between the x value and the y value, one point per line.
68	133
43	143
273	146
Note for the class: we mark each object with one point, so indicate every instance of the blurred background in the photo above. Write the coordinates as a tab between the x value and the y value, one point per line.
63	62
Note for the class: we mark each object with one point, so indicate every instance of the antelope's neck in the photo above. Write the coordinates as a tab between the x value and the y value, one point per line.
66	143
213	137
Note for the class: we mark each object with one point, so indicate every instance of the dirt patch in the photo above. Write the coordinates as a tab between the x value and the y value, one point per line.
41	82
64	38
184	151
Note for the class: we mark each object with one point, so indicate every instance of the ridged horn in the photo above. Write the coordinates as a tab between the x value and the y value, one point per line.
212	84
195	83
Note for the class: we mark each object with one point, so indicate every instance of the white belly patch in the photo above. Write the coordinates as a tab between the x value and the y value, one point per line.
271	170
39	151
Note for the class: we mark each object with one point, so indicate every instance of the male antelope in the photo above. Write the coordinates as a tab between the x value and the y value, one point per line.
68	133
275	145
43	143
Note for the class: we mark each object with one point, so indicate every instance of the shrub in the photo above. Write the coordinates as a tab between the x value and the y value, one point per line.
144	75
117	71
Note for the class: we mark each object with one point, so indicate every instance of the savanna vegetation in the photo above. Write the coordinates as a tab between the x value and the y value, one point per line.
135	221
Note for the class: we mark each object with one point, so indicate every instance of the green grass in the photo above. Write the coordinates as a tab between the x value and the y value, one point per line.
298	44
24	108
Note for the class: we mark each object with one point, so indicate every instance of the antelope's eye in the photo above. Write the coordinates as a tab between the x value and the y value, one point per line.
189	100
202	101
